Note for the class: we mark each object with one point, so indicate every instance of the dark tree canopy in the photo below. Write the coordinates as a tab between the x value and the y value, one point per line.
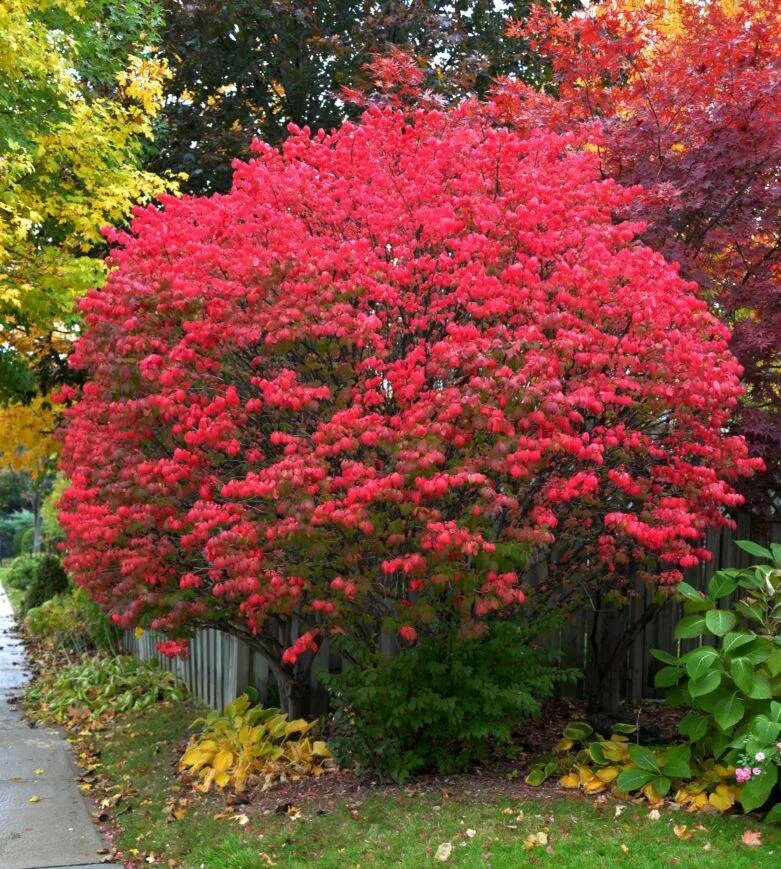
245	68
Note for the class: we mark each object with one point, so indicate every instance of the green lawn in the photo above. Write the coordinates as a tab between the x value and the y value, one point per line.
399	827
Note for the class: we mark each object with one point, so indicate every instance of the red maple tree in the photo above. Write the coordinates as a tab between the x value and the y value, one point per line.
686	96
363	388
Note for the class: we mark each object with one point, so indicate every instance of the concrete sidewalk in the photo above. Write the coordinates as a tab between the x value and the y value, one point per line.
56	830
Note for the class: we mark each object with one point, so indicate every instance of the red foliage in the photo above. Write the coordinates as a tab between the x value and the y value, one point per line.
688	97
387	363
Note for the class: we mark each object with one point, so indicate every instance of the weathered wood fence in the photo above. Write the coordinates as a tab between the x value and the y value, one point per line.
219	667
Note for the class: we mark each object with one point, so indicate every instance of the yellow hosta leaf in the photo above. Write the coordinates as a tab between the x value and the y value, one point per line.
563	745
223	760
594	786
650	794
585	774
221	778
320	749
571	780
722	798
607	774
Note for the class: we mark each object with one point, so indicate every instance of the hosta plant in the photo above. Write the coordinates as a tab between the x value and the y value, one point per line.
248	740
585	760
732	681
101	685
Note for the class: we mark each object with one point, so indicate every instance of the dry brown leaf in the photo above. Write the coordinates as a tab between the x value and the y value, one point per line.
681	832
443	852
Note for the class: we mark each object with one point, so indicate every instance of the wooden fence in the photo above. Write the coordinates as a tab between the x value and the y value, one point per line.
219	667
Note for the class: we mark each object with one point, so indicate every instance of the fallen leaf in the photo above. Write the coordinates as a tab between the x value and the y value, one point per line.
242	820
624	848
34	799
619	810
39	772
471	833
443	852
707	847
535	840
680	831
654	815
752	838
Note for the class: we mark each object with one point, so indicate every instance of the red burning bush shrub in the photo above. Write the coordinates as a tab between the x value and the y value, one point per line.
355	392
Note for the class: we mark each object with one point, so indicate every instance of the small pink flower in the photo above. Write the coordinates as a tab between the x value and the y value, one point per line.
756	771
742	774
759	756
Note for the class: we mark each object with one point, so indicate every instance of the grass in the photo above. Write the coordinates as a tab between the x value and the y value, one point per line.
137	758
15	595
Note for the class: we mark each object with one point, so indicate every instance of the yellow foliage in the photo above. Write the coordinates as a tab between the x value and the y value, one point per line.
724	797
246	741
570	780
27	436
69	164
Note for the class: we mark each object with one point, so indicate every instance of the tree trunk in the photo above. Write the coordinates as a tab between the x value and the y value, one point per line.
605	673
37	522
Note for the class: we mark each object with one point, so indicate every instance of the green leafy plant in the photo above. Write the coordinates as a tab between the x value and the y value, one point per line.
587	761
246	740
72	621
732	681
440	704
49	579
22	571
99	685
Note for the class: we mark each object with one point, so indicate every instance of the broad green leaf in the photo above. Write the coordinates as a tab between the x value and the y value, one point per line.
757	789
775	548
700	661
758	651
774	815
721	585
661	785
709	682
719	622
761	689
633	779
643	757
773	663
742	672
694	725
578	730
676	762
752	612
597	753
689	627
735	640
626	729
766	730
666	677
754	549
664	657
689	592
731	712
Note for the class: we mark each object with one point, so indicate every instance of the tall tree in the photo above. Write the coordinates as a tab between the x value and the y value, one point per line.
246	68
78	93
687	97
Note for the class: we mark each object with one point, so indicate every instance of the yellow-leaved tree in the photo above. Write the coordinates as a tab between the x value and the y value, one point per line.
80	89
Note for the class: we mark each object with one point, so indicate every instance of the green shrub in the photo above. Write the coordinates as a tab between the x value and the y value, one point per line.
49	580
732	682
23	541
22	571
101	684
73	621
441	704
